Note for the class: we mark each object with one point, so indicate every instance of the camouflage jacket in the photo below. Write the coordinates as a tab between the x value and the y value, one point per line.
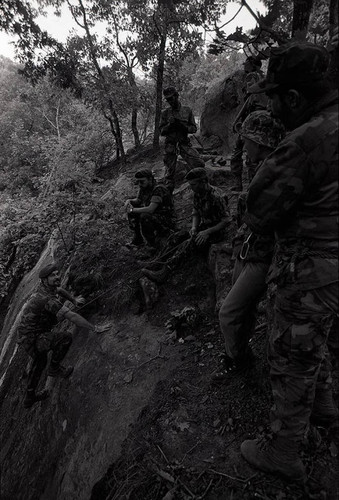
184	124
157	194
211	206
43	311
295	194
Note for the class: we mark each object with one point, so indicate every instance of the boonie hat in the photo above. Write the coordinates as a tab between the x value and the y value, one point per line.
196	173
292	64
262	128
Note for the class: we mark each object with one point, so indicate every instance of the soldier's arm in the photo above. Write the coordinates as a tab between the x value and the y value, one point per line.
276	188
145	210
221	225
195	222
66	295
78	320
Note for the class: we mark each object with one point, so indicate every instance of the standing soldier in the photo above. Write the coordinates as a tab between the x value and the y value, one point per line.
261	134
252	103
177	121
295	194
44	310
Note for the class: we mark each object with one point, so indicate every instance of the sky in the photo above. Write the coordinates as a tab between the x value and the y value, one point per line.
59	27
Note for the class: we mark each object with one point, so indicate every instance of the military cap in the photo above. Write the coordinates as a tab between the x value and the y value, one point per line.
295	63
263	129
170	91
196	173
140	174
47	270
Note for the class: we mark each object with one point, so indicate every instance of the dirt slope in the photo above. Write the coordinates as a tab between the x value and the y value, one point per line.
140	418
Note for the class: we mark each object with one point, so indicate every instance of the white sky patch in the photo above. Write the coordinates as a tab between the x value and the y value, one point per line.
60	26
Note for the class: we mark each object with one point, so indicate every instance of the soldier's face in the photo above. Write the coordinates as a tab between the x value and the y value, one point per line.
143	182
173	100
252	150
287	107
53	279
197	185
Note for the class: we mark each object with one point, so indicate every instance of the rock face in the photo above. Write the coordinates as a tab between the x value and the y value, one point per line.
222	104
59	448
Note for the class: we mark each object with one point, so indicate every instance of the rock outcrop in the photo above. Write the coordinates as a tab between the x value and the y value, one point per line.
222	104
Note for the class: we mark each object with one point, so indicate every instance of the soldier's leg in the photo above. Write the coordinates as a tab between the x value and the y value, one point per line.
134	224
60	345
150	228
237	164
237	314
191	157
297	356
37	368
170	162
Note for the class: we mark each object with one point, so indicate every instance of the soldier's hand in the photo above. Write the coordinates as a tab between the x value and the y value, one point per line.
79	301
193	231
202	237
236	128
102	328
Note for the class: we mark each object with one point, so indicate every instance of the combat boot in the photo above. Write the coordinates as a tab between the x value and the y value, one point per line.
276	456
34	397
60	371
237	184
157	276
241	366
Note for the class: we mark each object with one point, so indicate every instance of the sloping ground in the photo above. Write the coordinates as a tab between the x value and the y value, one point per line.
140	419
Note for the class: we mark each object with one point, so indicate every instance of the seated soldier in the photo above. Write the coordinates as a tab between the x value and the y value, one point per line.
151	213
45	310
210	219
260	134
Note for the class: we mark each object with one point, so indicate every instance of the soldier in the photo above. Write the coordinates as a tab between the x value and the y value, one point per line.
210	219
177	121
44	310
295	194
252	103
261	134
151	213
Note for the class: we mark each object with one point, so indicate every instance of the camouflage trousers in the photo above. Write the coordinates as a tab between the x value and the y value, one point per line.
150	226
298	354
237	315
57	342
189	155
237	161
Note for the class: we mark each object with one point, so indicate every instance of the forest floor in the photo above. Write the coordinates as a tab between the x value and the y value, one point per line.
186	442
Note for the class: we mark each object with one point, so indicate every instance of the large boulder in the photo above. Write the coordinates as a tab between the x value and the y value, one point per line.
222	104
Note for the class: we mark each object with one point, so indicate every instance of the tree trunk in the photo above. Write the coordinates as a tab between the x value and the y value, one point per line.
134	125
301	15
333	69
159	85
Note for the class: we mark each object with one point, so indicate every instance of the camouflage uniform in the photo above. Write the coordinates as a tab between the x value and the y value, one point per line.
254	102
42	313
177	140
212	208
158	223
295	194
252	253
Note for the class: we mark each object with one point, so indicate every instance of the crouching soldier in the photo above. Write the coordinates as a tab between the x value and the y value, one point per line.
151	213
44	310
210	218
